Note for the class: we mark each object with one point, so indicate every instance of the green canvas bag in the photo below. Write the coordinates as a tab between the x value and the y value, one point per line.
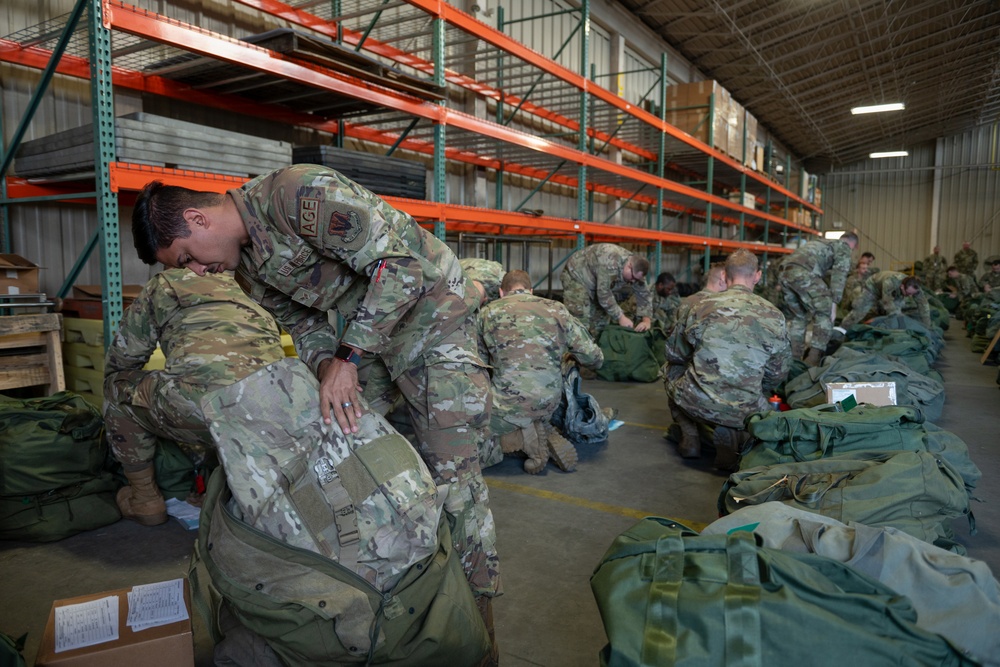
53	482
630	355
308	607
808	434
670	597
915	492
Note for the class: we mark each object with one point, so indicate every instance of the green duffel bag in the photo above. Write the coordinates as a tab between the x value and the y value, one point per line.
915	492
630	355
297	600
668	596
53	481
60	513
808	434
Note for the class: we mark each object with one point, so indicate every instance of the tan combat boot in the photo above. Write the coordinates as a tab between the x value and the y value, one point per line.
142	501
535	448
561	451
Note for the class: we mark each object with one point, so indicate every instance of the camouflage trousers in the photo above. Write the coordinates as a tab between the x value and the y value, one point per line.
934	279
579	301
506	418
806	300
140	406
448	406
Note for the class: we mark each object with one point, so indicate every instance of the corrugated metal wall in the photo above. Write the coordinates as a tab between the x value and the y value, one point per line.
893	204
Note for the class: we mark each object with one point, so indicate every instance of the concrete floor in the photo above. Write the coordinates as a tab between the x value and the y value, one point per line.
553	528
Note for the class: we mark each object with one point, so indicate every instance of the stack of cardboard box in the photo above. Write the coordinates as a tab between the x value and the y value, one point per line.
734	131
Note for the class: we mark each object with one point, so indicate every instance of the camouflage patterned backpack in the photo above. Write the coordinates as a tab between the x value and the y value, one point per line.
334	548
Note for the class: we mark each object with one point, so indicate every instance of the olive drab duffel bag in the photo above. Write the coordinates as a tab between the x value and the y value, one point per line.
313	611
54	481
333	547
630	355
668	596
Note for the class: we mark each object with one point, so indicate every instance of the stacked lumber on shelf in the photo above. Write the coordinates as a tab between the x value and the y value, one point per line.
143	138
30	353
382	175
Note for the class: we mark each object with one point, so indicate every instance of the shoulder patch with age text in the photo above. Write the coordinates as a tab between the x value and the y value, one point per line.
309	217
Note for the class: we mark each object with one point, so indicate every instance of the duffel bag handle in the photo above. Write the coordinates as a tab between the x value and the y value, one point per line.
659	641
742	601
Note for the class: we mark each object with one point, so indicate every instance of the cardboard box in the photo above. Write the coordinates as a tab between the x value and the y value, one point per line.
873	393
748	200
18	275
169	645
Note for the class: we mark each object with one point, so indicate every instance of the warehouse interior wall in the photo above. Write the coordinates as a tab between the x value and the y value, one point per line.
893	205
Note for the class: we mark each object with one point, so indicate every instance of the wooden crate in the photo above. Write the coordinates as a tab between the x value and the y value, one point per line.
31	352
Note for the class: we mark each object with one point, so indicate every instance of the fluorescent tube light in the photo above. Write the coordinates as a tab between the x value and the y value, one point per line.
878	108
833	235
889	154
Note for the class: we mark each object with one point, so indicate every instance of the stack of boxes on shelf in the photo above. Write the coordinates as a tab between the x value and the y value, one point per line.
30	353
734	130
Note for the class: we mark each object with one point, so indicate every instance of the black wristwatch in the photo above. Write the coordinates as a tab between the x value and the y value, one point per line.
347	353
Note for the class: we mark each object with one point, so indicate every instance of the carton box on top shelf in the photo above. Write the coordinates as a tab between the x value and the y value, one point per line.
758	159
18	275
750	121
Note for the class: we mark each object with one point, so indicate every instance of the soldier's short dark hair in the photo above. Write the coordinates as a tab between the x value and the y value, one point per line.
910	281
515	279
665	278
639	264
741	264
868	254
952	268
158	216
850	237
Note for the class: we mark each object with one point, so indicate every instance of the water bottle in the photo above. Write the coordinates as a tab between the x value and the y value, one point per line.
774	402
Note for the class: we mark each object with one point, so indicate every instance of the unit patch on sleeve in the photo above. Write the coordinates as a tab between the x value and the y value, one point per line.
345	224
309	217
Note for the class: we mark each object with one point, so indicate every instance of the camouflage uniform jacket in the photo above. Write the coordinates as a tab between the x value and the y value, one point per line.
598	267
886	288
489	274
822	259
665	308
964	285
319	241
211	334
856	282
933	263
736	348
966	261
524	338
991	278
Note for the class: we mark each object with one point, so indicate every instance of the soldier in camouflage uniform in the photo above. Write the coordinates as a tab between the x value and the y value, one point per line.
856	282
211	335
734	348
593	275
666	300
305	240
525	337
967	260
935	270
806	296
486	275
962	291
886	293
991	279
715	282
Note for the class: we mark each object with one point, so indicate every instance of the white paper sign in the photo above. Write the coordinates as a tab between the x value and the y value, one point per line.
151	605
86	623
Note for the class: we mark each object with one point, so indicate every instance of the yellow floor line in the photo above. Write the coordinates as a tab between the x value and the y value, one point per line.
495	483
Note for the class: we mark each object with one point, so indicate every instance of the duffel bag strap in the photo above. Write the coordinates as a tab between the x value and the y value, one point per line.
659	641
742	602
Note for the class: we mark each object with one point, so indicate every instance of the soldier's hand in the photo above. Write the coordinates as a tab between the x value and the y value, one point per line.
338	395
644	325
624	321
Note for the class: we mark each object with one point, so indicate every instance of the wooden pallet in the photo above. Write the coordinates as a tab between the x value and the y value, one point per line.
31	352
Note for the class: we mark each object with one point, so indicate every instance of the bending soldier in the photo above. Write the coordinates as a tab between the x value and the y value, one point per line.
886	293
305	240
211	335
594	274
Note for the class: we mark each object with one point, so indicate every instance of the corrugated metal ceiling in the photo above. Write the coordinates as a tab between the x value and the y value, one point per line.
800	65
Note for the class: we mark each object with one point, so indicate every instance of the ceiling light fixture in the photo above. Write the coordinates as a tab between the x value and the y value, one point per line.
878	108
889	154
